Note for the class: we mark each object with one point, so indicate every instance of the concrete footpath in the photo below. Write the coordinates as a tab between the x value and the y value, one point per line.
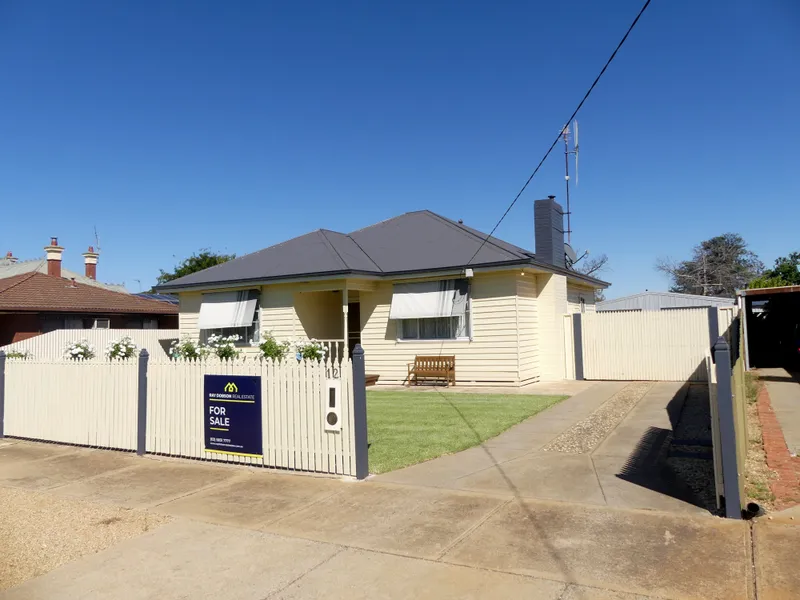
621	468
243	533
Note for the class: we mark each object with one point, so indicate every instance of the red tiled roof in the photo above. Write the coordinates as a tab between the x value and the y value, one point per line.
45	293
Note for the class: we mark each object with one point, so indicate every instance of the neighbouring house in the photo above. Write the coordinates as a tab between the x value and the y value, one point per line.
11	266
416	284
648	300
34	302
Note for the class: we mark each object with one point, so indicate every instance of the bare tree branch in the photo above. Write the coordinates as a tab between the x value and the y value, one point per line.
590	266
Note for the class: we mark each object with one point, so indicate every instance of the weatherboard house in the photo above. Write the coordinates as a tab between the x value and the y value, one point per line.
418	284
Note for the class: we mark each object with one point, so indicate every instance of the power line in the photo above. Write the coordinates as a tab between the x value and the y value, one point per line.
569	120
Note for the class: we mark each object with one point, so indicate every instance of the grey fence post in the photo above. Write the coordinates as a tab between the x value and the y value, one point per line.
2	392
577	344
141	425
727	430
713	328
360	413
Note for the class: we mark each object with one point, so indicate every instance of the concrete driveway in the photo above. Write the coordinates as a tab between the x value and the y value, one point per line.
603	446
91	524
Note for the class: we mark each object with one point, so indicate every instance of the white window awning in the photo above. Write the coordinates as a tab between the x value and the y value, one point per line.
429	299
227	309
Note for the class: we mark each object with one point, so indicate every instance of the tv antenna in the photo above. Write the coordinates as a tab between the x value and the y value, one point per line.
565	134
96	240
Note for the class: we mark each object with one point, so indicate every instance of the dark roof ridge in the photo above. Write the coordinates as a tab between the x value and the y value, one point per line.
321	232
460	227
365	252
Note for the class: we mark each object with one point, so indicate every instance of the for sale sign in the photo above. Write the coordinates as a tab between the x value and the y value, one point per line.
232	414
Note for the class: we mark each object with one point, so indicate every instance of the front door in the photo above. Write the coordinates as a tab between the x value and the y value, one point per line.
353	325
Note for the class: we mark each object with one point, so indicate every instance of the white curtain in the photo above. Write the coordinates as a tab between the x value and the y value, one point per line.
227	309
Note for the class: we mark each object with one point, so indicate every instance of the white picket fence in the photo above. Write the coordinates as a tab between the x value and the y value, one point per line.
666	345
95	403
91	403
51	346
293	401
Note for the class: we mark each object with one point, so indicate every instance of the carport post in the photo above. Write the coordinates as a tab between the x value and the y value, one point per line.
141	424
2	391
360	413
727	430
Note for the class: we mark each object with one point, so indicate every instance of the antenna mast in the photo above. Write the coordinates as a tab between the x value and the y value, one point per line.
565	133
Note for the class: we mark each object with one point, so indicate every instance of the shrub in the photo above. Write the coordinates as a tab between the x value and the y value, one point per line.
186	348
272	348
224	346
310	350
81	350
19	354
122	348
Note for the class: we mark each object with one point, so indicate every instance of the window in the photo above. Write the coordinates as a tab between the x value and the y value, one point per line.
434	310
101	323
231	313
437	328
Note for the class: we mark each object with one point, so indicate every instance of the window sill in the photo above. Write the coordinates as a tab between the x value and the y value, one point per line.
447	341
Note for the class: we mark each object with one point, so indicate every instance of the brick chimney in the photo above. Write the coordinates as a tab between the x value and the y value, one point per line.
54	252
90	262
548	224
10	258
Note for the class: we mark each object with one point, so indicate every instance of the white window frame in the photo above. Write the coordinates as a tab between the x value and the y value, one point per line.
97	320
252	332
401	323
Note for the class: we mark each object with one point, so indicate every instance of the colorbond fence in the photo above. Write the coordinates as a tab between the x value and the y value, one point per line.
158	406
665	345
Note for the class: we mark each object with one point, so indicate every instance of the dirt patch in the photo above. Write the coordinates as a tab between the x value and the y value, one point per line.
758	476
40	532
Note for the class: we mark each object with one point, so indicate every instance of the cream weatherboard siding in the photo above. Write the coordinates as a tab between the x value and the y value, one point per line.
574	294
528	328
188	313
491	357
552	305
517	325
289	312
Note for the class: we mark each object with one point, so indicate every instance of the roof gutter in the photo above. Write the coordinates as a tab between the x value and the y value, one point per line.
371	276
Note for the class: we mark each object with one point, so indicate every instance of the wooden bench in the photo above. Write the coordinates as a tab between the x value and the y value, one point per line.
432	367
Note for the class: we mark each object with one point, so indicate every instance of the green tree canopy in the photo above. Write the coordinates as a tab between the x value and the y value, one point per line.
718	267
785	272
198	261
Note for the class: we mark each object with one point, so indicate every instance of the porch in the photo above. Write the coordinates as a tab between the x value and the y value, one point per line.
330	315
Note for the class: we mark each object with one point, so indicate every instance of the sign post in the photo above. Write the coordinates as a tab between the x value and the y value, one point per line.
232	415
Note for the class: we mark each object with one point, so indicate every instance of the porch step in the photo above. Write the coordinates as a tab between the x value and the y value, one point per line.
371	379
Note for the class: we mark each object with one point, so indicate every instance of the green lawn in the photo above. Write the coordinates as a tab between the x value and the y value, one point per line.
410	427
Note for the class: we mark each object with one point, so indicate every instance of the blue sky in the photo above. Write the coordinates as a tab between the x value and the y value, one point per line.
177	126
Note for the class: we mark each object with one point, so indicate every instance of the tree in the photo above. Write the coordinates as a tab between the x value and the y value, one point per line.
785	272
718	267
590	266
196	262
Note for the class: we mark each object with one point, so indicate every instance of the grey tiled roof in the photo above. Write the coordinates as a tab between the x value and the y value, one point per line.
414	242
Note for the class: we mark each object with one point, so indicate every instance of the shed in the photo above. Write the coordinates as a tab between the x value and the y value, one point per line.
663	300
